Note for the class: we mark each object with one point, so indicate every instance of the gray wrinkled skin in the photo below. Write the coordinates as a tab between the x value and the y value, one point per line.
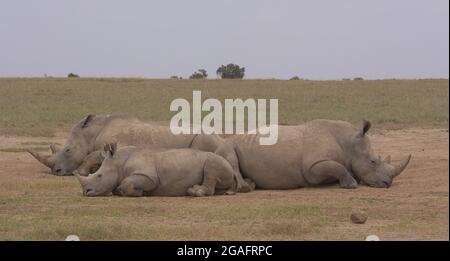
317	152
131	171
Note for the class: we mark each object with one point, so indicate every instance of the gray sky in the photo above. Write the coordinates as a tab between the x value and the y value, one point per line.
314	39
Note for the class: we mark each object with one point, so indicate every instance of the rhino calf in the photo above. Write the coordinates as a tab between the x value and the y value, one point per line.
136	172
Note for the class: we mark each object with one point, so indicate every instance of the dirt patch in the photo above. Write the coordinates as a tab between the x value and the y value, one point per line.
36	205
11	141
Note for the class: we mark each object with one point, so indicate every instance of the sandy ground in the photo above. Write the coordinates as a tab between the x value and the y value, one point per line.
416	207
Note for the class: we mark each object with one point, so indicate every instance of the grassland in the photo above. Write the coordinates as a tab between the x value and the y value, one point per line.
39	106
37	206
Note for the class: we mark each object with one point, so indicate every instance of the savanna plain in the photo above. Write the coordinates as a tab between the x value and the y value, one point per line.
408	116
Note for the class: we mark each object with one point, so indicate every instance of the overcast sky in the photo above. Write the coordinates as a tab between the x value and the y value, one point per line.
314	39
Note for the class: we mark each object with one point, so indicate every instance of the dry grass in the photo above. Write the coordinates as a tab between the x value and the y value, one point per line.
39	106
52	208
23	149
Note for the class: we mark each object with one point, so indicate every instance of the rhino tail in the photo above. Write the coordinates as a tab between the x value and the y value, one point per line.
234	187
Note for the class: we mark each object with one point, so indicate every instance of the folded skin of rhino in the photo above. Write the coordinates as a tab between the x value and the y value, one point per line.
317	152
134	172
93	132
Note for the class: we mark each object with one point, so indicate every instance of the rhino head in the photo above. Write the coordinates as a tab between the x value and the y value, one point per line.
65	160
370	168
106	178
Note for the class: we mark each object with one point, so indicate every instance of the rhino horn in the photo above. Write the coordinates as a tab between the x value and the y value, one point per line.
82	180
399	167
47	160
387	159
55	148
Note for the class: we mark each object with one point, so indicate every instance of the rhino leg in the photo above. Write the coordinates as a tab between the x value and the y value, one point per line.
218	178
214	143
328	171
227	151
135	185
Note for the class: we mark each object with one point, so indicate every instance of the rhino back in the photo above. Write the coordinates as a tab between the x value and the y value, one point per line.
135	132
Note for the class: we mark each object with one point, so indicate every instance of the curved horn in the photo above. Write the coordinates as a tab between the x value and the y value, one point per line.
82	180
47	160
401	165
55	148
387	159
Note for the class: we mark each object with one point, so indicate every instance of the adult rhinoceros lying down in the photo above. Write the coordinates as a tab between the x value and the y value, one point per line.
94	131
317	152
135	172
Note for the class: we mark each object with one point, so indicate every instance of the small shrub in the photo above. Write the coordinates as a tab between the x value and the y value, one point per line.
200	74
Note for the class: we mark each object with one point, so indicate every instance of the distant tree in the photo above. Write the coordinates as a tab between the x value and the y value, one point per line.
203	72
230	71
176	77
358	78
295	78
72	75
346	79
200	74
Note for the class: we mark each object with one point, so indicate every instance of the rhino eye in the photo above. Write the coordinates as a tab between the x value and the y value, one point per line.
67	150
373	162
99	176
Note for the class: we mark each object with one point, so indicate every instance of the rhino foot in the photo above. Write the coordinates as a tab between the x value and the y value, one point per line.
348	182
251	184
230	192
246	186
198	191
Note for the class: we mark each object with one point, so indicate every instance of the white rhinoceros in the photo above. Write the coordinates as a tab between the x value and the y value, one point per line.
317	152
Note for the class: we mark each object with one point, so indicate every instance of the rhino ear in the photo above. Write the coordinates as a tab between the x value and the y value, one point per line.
87	120
113	148
55	148
110	149
366	127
